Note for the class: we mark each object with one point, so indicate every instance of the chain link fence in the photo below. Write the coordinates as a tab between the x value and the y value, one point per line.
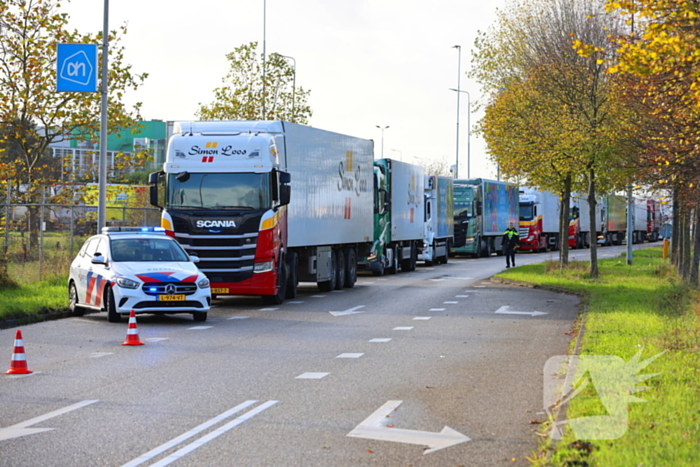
39	241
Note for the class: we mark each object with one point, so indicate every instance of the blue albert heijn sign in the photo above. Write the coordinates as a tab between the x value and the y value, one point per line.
76	68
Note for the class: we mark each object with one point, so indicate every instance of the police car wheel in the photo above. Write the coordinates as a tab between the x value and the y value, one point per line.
112	315
199	315
75	310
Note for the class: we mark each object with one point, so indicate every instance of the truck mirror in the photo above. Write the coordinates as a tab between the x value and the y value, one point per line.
285	177
479	208
153	189
285	194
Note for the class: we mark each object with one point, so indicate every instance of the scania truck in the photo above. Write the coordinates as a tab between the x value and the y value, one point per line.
398	217
267	204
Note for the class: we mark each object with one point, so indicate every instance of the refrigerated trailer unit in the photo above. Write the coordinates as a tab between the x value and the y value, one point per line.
266	204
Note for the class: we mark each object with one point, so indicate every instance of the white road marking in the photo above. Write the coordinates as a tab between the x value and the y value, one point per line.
20	429
185	436
437	309
403	328
504	310
449	303
350	355
268	309
437	280
374	427
100	354
380	339
423	318
312	375
318	296
338	291
461	296
350	311
157	339
214	434
199	328
296	302
239	317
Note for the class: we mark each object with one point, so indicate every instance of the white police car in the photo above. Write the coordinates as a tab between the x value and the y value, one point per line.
140	269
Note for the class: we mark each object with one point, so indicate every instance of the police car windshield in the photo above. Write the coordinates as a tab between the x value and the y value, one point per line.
219	191
146	249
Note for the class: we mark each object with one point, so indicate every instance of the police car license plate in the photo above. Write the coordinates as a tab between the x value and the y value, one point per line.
171	298
219	290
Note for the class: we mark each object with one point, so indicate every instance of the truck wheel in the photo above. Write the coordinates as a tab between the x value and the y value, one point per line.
327	286
340	271
350	268
112	315
293	275
75	310
278	297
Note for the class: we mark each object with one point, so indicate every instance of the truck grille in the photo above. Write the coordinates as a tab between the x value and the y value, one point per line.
223	258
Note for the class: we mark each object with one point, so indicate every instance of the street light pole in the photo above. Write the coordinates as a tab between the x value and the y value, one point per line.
469	129
264	113
459	76
294	82
382	128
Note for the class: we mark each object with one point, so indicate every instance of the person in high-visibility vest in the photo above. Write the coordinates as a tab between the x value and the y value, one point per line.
510	242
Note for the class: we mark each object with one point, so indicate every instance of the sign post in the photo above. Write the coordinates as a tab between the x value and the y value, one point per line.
76	71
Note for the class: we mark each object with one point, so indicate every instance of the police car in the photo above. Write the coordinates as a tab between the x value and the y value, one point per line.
140	269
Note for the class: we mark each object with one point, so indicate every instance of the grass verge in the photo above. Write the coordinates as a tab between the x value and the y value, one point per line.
23	302
643	307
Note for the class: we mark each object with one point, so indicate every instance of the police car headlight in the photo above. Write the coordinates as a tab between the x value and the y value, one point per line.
264	267
203	284
127	283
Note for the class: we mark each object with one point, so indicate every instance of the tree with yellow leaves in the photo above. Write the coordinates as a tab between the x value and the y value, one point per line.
32	113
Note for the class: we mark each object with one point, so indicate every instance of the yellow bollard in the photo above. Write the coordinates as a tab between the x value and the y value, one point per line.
665	250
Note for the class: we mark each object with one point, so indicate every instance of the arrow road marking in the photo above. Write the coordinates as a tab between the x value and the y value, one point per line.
374	427
15	431
504	311
351	311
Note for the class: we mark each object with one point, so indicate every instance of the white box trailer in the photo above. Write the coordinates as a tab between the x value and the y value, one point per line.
438	228
406	201
580	234
266	204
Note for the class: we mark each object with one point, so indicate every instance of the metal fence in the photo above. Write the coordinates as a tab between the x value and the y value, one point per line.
38	241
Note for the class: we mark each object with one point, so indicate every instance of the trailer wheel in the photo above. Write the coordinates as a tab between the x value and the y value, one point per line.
293	275
327	286
340	271
350	268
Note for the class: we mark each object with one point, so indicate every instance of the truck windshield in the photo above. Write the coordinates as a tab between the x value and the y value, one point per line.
219	191
527	211
463	201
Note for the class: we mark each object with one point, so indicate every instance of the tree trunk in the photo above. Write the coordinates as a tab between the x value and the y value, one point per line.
676	229
564	223
696	250
594	227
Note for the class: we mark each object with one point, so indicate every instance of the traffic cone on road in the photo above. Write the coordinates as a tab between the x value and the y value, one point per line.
132	332
18	364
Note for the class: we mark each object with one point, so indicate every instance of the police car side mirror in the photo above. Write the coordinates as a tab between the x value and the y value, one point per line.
99	259
194	259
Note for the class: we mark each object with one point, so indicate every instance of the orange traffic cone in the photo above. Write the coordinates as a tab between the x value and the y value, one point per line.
132	333
18	364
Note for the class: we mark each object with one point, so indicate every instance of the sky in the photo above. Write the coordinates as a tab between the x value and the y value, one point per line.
367	63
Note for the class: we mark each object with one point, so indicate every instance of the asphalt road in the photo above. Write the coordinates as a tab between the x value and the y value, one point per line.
367	376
